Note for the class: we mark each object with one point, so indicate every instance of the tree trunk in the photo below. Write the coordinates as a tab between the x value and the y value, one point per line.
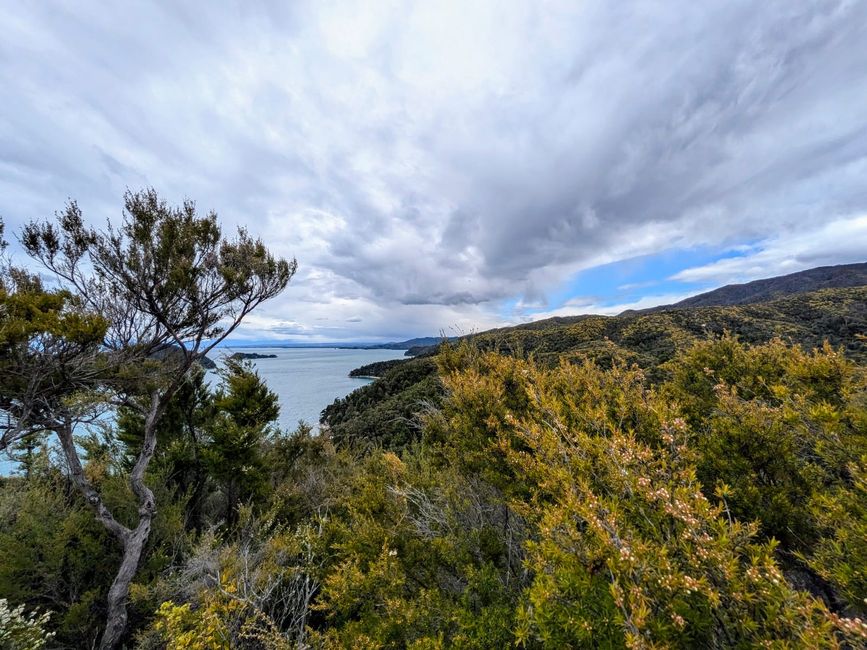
115	624
134	540
232	504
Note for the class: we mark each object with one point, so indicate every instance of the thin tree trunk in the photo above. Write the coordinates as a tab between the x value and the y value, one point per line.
232	504
90	494
116	619
134	540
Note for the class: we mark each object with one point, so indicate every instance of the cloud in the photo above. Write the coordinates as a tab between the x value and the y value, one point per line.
589	306
841	241
429	162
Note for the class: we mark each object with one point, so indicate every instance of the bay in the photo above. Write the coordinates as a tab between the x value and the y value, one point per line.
306	380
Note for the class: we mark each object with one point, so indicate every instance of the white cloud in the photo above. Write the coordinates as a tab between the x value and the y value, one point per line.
841	241
589	306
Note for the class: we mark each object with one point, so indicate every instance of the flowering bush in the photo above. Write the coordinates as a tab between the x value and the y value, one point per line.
20	631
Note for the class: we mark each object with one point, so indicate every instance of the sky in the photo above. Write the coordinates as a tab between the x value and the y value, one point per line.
447	167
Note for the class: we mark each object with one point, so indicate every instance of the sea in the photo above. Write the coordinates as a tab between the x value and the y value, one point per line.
306	380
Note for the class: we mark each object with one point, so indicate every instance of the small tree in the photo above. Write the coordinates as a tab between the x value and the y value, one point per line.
140	305
182	434
246	408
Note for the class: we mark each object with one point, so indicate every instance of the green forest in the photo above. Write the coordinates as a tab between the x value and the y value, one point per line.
689	478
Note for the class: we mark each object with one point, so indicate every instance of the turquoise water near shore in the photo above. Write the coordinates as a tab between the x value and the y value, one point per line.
306	380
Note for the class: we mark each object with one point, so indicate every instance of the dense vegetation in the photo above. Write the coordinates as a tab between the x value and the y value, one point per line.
572	506
375	369
383	410
132	310
672	485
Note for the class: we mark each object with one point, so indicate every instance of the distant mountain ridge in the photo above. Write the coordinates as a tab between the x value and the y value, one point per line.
420	342
842	276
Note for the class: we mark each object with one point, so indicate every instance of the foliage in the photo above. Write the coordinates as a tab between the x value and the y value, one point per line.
152	296
566	506
20	631
840	555
628	550
377	368
384	412
48	352
55	555
183	438
775	426
416	561
252	591
184	629
651	338
245	410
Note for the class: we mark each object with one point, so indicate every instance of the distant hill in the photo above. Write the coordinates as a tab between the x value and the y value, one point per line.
411	344
375	369
822	277
421	342
172	350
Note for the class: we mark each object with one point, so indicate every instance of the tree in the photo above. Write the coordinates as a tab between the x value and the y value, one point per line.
161	290
182	433
245	410
43	339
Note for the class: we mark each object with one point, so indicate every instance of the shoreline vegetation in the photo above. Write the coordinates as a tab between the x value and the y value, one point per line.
376	369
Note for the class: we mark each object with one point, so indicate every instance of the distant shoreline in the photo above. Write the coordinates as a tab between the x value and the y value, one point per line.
410	344
283	346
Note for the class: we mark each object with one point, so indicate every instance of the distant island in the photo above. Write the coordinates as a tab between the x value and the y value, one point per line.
238	356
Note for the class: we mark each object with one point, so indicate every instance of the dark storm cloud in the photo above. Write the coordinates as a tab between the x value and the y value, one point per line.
428	160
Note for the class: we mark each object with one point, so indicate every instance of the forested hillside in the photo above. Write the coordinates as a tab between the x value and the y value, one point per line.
383	410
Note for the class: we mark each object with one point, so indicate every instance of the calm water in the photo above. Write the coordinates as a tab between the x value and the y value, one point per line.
308	379
305	379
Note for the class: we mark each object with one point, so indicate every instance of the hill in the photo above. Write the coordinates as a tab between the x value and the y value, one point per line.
416	343
823	277
383	411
